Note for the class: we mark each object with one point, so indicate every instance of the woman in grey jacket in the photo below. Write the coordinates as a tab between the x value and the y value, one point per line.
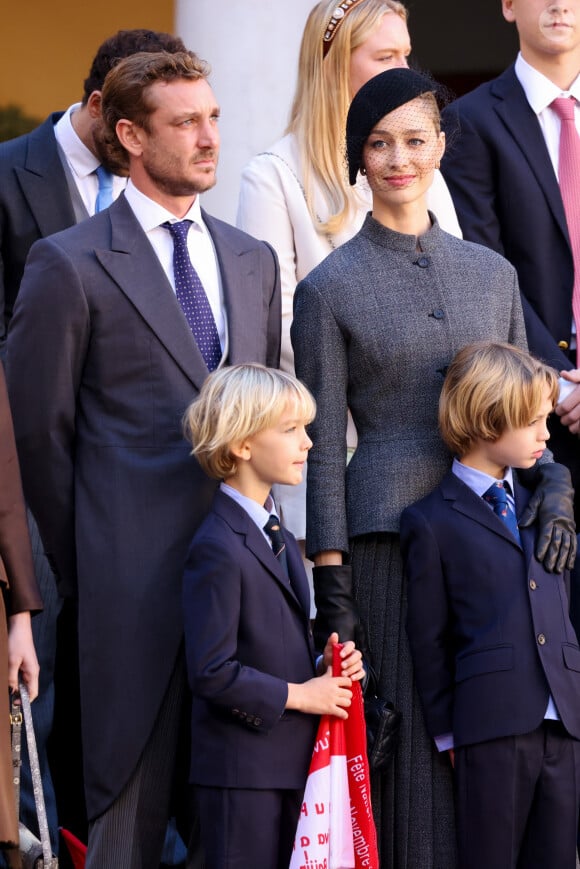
375	326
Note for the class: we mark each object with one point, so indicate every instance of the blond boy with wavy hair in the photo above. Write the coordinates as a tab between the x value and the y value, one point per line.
257	685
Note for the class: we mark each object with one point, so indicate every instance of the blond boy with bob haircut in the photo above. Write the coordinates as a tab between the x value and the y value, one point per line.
257	689
496	659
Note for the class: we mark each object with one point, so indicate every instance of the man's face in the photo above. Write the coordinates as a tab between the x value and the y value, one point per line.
180	149
545	28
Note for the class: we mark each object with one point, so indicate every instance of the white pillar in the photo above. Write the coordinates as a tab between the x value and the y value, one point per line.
252	47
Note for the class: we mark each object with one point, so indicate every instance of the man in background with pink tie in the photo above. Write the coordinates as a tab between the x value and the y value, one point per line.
513	169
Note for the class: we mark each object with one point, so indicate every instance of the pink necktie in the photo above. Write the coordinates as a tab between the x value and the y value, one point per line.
569	179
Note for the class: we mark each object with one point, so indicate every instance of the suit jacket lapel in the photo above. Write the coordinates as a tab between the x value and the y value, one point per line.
519	119
297	576
527	535
241	523
467	502
239	269
133	265
43	182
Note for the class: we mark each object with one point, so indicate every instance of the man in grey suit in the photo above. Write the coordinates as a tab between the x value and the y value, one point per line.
101	365
48	182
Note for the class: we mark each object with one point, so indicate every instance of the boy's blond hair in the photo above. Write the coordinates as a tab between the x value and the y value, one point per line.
490	388
235	403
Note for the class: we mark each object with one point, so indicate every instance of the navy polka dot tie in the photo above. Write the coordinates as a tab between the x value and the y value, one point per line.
192	297
496	496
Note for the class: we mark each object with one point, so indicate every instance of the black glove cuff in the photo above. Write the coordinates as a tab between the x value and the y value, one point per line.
335	607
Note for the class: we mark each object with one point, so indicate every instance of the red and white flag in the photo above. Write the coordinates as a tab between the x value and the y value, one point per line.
336	828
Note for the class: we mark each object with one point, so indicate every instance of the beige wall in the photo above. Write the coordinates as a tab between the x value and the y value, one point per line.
47	47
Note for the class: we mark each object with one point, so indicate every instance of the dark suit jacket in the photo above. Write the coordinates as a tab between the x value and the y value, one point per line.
247	634
101	366
34	202
507	197
489	629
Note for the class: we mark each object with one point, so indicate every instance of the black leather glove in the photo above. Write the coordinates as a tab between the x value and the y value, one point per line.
335	607
552	504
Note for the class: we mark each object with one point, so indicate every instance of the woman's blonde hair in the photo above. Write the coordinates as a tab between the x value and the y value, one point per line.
235	403
322	98
488	389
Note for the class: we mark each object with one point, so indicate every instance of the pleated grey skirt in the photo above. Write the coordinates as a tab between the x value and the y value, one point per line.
413	801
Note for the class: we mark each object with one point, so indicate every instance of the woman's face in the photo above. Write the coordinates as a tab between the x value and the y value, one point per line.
402	152
388	46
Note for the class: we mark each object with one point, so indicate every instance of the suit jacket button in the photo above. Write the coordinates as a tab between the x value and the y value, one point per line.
541	639
439	314
533	584
563	345
423	262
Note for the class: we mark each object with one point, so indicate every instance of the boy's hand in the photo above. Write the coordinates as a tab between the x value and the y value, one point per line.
351	658
323	695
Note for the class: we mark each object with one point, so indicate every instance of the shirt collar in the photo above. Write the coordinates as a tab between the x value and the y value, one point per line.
81	160
256	512
539	90
478	481
151	214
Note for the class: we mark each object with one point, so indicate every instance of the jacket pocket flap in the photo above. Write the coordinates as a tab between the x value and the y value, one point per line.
484	661
571	656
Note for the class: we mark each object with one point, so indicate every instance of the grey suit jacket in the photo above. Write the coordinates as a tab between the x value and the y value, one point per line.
375	327
101	366
34	202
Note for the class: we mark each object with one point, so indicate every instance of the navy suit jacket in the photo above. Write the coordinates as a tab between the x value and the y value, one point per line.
507	197
34	202
489	628
101	367
247	634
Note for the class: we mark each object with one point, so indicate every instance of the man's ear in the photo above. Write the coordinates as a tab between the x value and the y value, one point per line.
130	136
507	7
94	103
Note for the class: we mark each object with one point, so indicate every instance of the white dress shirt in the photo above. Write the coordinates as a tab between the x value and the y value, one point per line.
258	514
540	92
82	162
151	215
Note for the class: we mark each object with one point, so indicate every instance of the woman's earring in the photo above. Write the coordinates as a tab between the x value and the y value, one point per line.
363	171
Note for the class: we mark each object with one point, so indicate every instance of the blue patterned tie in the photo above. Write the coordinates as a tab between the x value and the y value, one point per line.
105	194
274	532
496	496
192	297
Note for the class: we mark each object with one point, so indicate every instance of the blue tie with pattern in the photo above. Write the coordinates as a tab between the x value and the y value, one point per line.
105	194
192	296
496	495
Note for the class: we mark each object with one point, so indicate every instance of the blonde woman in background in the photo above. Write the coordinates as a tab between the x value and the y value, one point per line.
296	194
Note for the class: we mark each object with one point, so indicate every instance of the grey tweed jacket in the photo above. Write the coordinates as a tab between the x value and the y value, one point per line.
375	326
